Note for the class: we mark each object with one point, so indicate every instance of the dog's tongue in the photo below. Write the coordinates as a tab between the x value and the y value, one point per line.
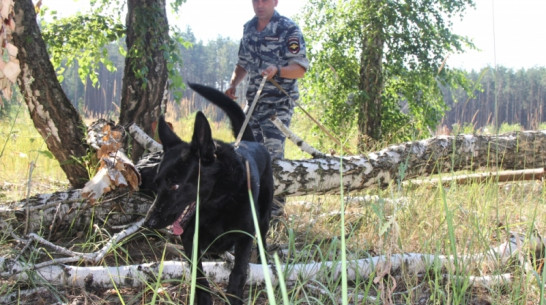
177	228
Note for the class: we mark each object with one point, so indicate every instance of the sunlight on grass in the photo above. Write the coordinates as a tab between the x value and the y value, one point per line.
25	146
430	219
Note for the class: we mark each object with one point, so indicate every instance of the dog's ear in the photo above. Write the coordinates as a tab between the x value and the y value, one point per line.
166	135
202	143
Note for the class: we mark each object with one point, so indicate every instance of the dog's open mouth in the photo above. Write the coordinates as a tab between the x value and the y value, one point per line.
180	223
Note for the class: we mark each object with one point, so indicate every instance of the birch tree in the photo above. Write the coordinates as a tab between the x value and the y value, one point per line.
379	64
150	56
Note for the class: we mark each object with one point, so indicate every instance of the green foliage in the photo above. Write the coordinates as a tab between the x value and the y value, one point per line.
82	39
506	128
542	126
175	62
411	40
331	83
466	128
462	219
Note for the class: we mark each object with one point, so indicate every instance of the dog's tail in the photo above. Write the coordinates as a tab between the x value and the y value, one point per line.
230	107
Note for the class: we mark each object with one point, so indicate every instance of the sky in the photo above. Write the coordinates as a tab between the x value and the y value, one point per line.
510	33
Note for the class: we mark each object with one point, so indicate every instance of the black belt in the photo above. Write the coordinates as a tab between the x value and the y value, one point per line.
275	104
285	102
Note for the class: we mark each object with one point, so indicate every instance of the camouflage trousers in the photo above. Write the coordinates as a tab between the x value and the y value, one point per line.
264	130
269	135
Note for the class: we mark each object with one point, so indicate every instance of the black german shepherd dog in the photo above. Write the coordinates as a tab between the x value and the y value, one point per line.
218	171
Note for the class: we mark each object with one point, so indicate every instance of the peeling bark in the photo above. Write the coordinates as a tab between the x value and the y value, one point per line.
395	163
53	115
218	272
63	212
402	162
145	76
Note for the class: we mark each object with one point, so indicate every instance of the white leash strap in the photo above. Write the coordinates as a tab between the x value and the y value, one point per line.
250	110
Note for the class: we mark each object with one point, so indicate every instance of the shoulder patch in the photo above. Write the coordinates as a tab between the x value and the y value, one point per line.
294	45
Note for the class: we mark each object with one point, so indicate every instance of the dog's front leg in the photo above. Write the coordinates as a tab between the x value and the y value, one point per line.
237	278
203	288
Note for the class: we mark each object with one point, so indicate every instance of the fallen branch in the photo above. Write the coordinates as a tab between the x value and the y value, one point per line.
218	272
73	256
295	139
144	139
94	257
13	298
501	176
442	154
393	164
63	212
116	169
396	163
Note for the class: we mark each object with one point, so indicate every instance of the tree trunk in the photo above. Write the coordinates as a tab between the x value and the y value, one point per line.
53	115
98	277
396	163
371	79
145	74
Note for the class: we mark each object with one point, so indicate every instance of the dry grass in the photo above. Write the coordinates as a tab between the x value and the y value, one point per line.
24	149
430	219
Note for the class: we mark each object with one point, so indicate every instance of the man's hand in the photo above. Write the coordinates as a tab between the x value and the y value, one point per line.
231	92
238	75
270	71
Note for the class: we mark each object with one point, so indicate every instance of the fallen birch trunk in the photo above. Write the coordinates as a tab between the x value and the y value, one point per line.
396	163
139	275
519	150
443	154
64	211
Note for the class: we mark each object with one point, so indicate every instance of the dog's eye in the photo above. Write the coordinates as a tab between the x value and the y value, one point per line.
174	187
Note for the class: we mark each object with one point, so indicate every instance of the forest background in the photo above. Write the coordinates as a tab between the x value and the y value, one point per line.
463	219
520	96
517	94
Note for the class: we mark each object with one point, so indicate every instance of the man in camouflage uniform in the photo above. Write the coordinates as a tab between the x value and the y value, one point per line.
272	46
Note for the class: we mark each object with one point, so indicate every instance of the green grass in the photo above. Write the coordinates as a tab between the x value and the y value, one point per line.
459	219
21	145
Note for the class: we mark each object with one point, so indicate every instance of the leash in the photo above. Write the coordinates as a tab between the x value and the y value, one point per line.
326	131
250	110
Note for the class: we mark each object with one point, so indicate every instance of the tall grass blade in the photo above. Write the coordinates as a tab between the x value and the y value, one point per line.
344	287
280	276
195	249
541	281
450	226
263	259
12	126
158	282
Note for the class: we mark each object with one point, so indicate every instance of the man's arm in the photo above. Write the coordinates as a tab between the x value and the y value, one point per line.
292	71
238	75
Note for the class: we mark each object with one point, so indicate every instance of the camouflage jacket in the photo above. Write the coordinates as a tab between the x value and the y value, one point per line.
280	43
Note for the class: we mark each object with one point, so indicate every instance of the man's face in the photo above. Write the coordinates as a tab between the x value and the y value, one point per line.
264	9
